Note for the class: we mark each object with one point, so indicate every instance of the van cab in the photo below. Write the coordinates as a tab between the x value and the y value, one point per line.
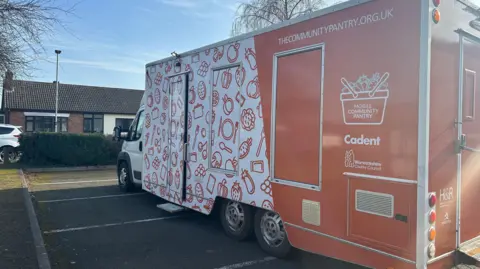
129	161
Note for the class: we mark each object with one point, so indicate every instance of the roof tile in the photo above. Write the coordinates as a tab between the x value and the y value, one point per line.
33	95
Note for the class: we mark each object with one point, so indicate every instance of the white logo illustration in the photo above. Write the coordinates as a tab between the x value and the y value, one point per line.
364	101
362	140
446	219
352	162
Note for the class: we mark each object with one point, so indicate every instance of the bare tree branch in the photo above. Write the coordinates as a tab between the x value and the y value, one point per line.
24	24
256	14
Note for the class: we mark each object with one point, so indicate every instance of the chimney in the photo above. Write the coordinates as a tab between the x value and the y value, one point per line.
8	81
6	87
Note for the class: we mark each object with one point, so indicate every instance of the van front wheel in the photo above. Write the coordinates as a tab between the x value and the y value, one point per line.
270	233
124	181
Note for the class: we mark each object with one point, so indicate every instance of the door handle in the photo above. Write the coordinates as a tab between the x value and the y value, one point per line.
462	145
185	152
140	146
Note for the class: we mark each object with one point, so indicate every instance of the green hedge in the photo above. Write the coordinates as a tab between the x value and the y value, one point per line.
60	149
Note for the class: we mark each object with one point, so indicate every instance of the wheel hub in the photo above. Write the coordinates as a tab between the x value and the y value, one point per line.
272	229
123	176
235	216
13	157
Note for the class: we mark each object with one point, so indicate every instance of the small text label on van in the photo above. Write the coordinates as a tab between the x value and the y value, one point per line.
446	196
362	140
352	162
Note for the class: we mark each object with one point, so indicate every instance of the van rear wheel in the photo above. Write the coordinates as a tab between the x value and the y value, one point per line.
271	234
124	181
237	219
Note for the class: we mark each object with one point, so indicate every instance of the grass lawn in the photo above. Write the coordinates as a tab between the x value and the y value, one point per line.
9	179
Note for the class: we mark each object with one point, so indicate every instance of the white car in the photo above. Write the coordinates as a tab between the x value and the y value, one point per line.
9	135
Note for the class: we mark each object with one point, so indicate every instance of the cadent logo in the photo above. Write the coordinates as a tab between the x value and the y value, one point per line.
362	140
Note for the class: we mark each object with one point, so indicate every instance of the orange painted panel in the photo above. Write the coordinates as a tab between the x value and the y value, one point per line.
394	234
443	130
443	160
347	252
372	132
469	213
297	126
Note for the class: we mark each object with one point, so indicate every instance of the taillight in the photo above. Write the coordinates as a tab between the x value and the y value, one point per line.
432	233
431	251
432	200
432	217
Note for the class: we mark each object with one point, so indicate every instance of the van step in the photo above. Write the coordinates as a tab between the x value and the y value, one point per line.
172	208
465	266
472	249
470	253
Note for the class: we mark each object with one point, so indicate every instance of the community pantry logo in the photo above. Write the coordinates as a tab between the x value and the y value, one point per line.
351	162
364	101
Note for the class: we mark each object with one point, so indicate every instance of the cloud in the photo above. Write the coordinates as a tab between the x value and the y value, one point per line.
181	3
230	5
202	14
107	65
146	10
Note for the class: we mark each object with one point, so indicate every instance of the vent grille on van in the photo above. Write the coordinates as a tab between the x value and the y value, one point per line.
380	204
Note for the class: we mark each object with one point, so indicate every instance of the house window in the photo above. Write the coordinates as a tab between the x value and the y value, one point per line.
45	124
123	123
93	123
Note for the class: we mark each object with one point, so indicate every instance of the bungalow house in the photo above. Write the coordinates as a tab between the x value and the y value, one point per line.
81	109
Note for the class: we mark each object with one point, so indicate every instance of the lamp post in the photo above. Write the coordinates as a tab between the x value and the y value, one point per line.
56	93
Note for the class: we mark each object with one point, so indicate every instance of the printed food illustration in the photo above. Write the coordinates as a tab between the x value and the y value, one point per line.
232	52
364	101
203	69
150	100
251	58
236	191
223	125
158	96
240	76
267	186
245	148
222	188
248	119
215	98
189	194
253	90
226	78
217	53
158	78
248	180
202	90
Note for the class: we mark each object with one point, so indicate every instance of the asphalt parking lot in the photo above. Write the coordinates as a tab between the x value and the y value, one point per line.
87	222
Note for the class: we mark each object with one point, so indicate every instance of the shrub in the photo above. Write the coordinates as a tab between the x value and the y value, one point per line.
61	149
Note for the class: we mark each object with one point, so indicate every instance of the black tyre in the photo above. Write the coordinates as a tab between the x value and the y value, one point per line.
14	155
124	179
271	235
237	219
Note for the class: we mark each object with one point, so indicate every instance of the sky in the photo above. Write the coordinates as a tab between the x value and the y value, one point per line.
108	42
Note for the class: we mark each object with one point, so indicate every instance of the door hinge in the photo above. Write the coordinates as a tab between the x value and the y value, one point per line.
185	152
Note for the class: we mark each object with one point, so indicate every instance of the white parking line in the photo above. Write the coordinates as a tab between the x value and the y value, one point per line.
91	197
75	182
248	263
109	225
